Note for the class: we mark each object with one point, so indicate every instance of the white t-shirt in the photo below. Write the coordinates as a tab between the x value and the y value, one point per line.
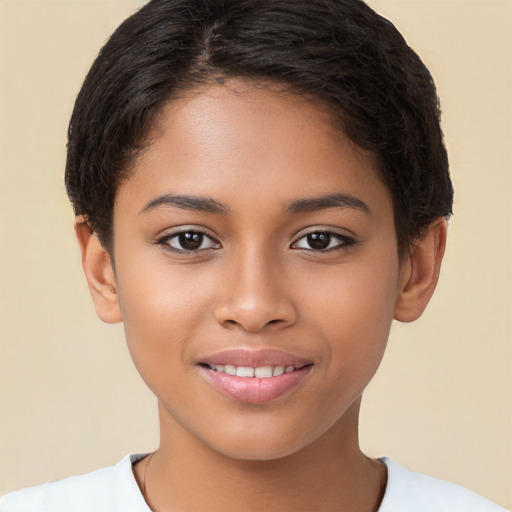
114	489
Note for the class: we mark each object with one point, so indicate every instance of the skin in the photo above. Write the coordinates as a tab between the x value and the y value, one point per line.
256	282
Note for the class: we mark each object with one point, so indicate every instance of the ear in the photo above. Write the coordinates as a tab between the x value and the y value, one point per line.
420	273
99	273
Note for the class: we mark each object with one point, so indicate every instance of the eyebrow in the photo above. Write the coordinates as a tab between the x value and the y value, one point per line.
303	205
313	204
195	203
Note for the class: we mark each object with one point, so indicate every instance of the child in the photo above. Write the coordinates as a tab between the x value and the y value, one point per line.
260	187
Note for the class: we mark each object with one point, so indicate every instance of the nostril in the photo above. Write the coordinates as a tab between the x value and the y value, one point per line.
251	326
253	316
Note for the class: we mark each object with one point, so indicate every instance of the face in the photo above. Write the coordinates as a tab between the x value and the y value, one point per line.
257	270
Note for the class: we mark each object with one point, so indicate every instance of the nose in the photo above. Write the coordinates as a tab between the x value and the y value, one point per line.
253	295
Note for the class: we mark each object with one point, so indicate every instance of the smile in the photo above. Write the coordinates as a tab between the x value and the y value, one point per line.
260	372
254	377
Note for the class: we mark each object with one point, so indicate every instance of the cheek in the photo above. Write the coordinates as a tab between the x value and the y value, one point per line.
162	309
353	310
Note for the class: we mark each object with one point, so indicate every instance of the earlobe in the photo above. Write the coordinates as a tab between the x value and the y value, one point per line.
99	273
420	273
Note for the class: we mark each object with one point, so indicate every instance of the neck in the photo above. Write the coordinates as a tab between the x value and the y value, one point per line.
329	474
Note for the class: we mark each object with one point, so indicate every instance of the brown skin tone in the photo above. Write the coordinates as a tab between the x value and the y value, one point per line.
255	281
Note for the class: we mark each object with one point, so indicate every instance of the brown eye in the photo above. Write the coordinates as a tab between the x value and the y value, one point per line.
188	241
323	241
319	241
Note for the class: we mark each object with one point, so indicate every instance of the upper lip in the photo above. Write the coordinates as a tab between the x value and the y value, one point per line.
255	358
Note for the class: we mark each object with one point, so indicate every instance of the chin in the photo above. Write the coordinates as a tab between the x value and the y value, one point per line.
267	446
258	453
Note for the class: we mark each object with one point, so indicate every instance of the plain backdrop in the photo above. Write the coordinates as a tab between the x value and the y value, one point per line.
70	399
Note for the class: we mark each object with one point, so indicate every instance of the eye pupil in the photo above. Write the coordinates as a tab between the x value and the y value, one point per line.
190	241
319	240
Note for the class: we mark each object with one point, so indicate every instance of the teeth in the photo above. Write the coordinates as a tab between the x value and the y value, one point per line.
230	369
245	371
248	371
278	370
263	371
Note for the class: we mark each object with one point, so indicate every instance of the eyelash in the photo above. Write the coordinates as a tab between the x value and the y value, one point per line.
164	241
344	241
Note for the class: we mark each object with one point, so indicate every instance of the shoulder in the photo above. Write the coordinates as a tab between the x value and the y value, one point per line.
109	489
407	491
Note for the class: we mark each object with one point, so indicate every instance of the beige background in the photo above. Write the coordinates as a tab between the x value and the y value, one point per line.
70	400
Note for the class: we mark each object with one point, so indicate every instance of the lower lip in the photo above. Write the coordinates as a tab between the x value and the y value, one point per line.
253	390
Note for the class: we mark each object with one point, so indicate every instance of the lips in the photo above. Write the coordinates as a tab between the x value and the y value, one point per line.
254	377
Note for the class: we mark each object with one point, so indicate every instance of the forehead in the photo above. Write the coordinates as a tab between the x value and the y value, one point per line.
237	140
